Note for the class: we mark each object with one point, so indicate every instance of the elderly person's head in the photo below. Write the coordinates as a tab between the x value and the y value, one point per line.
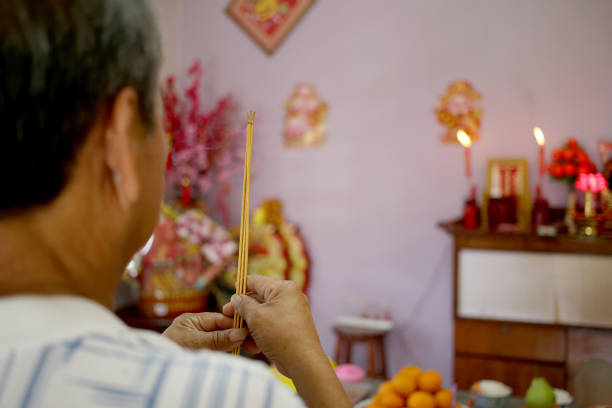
83	151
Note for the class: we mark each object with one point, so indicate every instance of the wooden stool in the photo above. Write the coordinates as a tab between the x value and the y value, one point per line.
374	339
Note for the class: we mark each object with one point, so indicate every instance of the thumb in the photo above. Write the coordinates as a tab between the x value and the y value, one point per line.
224	340
244	305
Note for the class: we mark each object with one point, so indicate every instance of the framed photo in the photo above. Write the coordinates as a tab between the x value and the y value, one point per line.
268	22
506	203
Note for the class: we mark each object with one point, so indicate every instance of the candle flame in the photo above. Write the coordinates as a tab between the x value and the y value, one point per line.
539	136
464	139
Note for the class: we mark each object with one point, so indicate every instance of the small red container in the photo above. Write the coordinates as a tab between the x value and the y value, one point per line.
471	215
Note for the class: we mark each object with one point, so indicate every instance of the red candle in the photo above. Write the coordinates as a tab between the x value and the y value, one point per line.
539	136
466	142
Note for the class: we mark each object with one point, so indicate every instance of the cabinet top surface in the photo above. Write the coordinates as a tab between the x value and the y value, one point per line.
525	241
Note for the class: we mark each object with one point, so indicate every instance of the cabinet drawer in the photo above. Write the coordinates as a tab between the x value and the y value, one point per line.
511	340
517	375
564	289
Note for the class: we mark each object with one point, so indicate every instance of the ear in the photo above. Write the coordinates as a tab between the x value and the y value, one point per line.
119	151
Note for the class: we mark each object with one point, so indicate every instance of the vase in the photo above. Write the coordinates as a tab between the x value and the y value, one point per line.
570	213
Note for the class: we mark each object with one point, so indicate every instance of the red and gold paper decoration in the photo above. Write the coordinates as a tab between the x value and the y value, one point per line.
459	109
305	118
268	21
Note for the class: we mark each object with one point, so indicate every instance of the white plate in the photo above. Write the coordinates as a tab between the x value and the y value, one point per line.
361	323
493	389
364	403
563	397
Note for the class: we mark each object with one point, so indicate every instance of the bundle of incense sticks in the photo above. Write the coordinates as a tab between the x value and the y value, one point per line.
243	251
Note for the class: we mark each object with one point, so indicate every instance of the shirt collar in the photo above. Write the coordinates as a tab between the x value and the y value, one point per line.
34	319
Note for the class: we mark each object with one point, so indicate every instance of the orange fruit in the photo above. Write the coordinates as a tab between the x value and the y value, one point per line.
392	400
403	384
377	398
375	405
430	381
412	371
421	399
385	387
444	399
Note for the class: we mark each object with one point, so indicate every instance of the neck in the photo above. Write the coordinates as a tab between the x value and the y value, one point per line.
54	251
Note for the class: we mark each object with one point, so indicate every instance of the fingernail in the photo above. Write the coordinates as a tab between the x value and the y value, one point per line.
235	298
237	335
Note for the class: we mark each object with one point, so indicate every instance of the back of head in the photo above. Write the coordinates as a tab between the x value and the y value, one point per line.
61	63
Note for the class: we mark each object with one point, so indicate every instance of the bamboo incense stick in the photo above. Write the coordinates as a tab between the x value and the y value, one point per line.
240	268
243	250
243	225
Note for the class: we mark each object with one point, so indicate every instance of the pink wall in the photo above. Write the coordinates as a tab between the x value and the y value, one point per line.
368	201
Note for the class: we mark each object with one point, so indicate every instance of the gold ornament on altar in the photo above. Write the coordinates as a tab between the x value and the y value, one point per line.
459	109
270	212
268	254
276	247
305	118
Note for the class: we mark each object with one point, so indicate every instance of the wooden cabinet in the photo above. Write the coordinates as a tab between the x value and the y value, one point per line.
514	373
511	340
513	353
527	306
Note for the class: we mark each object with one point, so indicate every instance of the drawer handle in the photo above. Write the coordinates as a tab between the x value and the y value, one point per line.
504	329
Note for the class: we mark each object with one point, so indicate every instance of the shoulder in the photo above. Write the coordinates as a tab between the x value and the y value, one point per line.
132	367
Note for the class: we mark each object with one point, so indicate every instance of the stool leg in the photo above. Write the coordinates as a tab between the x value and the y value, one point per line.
338	349
381	345
372	371
349	351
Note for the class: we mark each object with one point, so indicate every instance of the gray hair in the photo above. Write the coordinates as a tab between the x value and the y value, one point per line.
61	63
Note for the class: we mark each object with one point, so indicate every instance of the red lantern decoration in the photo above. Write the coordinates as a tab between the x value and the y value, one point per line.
594	183
590	184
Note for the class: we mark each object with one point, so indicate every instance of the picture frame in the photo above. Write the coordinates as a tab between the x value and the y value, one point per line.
268	23
506	204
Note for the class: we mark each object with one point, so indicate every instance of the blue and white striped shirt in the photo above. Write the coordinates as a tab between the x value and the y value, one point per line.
66	351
